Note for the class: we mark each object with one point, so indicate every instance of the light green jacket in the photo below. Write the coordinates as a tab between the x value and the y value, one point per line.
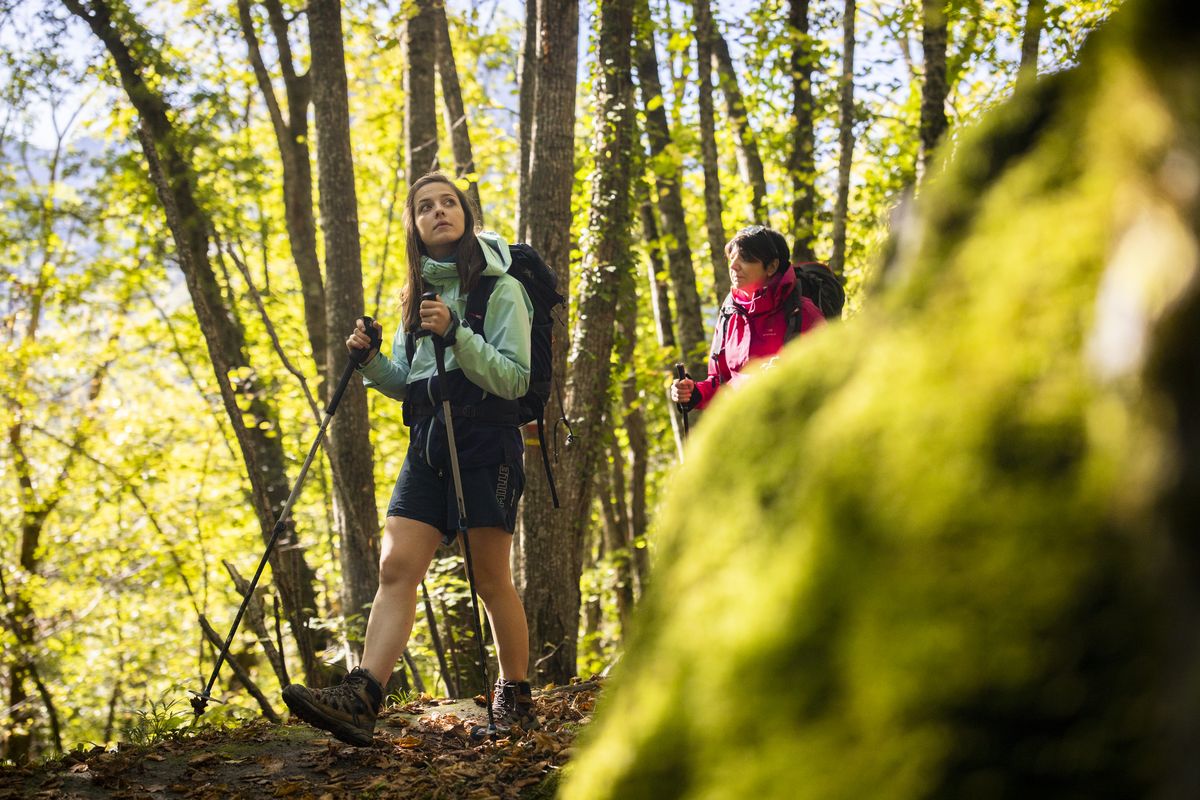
497	362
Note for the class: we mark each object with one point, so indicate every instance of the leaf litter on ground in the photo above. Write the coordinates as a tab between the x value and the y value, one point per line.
422	749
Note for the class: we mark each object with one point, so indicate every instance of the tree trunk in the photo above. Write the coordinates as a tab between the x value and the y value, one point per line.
355	514
456	115
801	166
631	569
933	95
837	259
527	70
291	134
1035	18
174	181
713	225
545	565
606	272
420	106
665	169
749	161
660	299
546	570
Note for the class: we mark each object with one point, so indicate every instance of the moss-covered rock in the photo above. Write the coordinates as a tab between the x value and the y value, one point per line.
949	548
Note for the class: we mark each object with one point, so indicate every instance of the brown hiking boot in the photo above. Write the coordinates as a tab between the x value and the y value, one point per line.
512	704
347	710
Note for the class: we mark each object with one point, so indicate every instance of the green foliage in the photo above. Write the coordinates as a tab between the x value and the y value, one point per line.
164	719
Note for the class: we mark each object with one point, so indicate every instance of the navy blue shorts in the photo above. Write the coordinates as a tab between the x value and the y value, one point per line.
427	495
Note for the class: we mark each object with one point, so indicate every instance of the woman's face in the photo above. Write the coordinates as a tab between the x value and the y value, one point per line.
749	276
439	218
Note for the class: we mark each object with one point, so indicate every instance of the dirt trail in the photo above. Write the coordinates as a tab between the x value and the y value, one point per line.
422	750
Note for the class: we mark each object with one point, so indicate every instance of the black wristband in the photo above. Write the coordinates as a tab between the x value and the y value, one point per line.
451	333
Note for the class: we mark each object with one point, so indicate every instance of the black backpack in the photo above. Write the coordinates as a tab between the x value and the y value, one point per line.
817	282
541	284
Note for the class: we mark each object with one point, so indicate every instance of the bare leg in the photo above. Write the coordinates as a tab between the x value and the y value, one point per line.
493	579
408	547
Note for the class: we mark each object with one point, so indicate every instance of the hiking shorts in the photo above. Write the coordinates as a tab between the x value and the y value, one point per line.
426	494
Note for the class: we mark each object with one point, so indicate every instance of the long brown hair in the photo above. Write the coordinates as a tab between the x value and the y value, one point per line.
468	254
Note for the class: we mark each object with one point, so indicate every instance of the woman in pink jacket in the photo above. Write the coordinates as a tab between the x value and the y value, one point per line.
761	312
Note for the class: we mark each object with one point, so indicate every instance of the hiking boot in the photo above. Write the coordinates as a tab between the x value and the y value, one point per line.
347	710
512	704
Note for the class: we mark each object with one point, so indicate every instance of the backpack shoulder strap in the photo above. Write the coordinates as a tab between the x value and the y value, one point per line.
793	313
723	315
410	346
477	301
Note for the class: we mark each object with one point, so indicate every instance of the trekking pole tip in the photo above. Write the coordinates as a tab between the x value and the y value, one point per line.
200	701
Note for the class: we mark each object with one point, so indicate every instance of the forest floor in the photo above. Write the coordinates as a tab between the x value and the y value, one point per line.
422	750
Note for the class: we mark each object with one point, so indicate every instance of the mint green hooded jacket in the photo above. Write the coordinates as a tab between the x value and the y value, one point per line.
498	362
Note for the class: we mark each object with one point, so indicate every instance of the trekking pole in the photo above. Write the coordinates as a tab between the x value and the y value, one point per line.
680	374
439	349
357	357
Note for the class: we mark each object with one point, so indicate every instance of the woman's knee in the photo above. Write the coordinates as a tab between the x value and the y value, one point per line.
493	578
408	547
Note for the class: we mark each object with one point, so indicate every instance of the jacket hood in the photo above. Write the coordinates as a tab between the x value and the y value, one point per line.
770	296
496	259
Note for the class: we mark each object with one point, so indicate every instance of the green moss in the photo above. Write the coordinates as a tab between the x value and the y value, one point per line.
919	558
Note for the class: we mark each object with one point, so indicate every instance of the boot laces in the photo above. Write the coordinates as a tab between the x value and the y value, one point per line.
349	695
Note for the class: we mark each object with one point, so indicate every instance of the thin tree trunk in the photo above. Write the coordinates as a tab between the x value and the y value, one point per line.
660	299
749	161
606	274
547	568
528	70
629	571
174	181
660	296
593	610
456	115
933	95
616	530
689	324
355	514
436	639
291	135
801	165
1035	18
837	259
420	106
708	148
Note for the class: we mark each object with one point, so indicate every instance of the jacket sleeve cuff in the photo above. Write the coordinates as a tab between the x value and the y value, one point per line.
372	359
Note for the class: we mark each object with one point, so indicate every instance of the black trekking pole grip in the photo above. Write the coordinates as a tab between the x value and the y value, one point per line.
419	332
357	357
681	374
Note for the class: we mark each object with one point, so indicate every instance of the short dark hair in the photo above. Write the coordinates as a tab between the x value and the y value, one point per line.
760	243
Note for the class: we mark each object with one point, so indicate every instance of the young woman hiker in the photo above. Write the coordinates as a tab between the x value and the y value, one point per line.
757	316
487	372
